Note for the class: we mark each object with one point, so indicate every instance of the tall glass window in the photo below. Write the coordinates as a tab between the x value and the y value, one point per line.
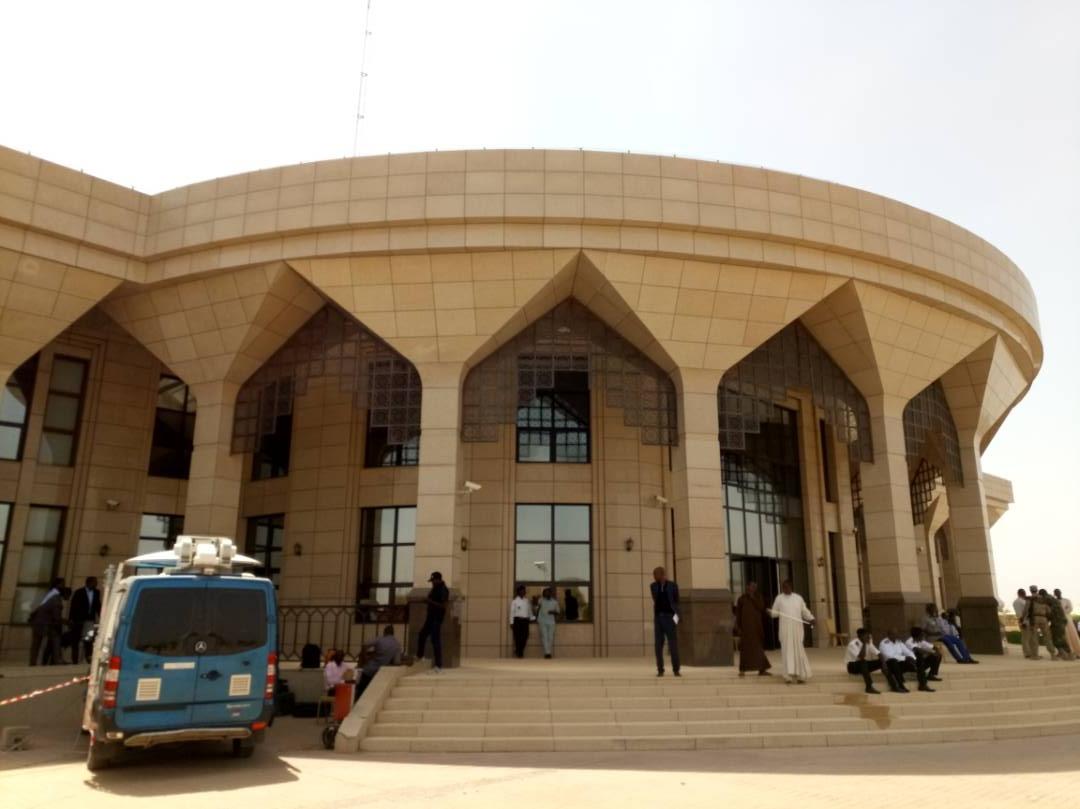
63	410
15	401
5	526
271	456
763	509
41	548
158	532
266	543
553	548
387	550
554	426
174	429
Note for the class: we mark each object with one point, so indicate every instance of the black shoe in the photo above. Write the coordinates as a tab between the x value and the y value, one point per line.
903	689
871	690
660	673
925	687
934	679
973	662
547	657
677	674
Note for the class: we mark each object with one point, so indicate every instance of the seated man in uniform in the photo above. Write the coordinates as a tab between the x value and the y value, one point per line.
925	649
863	657
898	658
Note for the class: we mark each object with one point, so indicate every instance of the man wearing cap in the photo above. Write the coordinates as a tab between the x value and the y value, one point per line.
437	601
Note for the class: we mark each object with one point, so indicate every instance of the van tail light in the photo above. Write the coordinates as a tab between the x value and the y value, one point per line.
271	676
112	680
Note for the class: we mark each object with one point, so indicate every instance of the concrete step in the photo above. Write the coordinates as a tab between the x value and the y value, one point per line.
899	705
835	738
876	720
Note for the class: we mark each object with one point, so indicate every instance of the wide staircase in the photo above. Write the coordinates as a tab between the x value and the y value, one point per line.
504	706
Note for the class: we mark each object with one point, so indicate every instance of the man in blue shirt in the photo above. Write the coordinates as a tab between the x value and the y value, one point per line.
665	596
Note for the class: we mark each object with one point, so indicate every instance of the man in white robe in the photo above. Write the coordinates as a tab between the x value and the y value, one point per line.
790	608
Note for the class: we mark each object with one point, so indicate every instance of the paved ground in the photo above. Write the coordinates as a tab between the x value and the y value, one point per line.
292	771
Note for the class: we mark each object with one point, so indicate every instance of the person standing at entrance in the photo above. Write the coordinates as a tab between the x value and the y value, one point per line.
437	601
1029	641
750	624
520	616
47	625
82	615
545	620
665	597
790	608
1071	635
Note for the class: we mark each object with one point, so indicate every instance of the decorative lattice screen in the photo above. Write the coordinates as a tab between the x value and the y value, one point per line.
928	421
333	345
568	338
791	359
924	482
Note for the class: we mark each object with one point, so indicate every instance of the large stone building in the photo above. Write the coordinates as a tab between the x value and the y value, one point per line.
734	372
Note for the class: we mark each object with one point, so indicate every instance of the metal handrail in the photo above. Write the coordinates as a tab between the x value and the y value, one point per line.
348	627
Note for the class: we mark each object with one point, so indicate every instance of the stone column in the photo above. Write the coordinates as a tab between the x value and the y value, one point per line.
701	565
213	492
895	598
438	501
971	552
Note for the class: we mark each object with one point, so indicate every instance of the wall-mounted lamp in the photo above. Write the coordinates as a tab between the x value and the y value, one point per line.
112	505
464	543
104	550
297	549
628	543
821	561
661	501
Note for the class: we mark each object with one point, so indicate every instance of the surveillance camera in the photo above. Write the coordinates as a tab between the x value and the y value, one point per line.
471	487
660	500
112	504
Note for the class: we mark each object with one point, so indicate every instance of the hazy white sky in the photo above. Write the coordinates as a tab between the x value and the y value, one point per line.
969	109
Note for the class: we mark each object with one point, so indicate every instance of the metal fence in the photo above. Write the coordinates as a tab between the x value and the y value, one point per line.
348	627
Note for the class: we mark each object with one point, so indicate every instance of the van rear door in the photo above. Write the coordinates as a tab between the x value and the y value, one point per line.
159	665
232	669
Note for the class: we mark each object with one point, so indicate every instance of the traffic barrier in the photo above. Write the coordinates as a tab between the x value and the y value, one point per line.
40	691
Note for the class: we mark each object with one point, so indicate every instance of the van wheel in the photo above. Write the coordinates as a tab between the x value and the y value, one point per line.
101	755
242	748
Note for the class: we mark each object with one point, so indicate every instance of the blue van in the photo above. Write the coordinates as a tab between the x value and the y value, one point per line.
189	654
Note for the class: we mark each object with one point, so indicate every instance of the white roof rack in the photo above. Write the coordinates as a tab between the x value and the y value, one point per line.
200	554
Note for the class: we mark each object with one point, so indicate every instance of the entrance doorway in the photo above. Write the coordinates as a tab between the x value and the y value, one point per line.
768	573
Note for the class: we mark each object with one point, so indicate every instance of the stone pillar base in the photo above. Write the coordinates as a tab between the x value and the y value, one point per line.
980	625
451	629
899	611
705	628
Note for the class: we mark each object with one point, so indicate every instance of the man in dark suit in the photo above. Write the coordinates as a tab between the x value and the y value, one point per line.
665	596
84	610
47	625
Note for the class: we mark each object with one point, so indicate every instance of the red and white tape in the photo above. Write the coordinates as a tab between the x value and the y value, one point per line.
40	691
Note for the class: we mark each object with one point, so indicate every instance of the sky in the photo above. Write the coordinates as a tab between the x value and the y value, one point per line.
969	109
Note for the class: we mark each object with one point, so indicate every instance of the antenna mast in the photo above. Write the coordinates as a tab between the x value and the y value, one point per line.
361	99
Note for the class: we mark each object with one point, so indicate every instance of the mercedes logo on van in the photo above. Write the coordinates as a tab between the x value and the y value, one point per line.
200	647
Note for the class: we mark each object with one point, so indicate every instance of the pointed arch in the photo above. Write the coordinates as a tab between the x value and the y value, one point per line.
568	337
331	344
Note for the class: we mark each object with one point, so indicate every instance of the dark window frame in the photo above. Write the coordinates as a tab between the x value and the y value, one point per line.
273	451
173	459
264	553
365	584
544	407
555	583
175	528
28	371
80	399
379	454
57	547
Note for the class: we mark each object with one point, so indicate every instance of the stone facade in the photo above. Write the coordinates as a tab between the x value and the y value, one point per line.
448	256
